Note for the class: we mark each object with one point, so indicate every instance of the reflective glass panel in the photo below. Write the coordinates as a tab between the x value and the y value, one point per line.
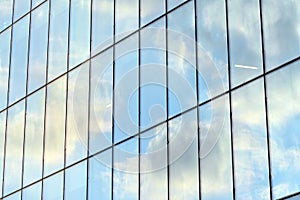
15	196
4	66
2	138
36	3
250	142
33	192
284	116
5	13
21	8
53	187
151	10
174	3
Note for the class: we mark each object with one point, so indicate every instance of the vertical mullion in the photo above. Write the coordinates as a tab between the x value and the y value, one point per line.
26	88
167	96
45	105
230	101
139	102
197	97
7	97
266	98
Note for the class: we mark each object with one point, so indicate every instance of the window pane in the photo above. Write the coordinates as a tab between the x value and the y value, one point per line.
75	185
153	75
245	40
126	16
18	68
284	115
153	164
77	120
181	60
100	176
36	3
55	126
101	102
183	157
14	148
58	38
4	66
126	170
212	49
102	24
53	187
5	13
38	47
250	142
174	3
151	10
33	192
21	8
126	89
215	150
79	32
2	138
33	155
16	196
281	31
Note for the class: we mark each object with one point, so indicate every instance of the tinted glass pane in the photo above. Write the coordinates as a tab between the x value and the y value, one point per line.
33	192
174	3
77	120
14	148
75	181
183	157
153	75
153	163
58	38
284	115
18	69
250	143
101	102
100	176
126	170
36	2
2	138
53	187
281	31
55	126
33	155
4	66
181	60
245	40
212	49
20	8
79	32
16	196
151	10
38	47
126	88
102	24
215	150
5	13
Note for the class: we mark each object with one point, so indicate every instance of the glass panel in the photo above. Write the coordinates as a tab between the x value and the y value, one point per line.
153	163
100	176
18	68
33	192
183	157
77	120
58	38
38	47
79	32
75	185
151	10
212	49
174	3
102	24
153	75
245	40
126	170
2	138
21	8
53	187
36	3
5	13
181	60
33	155
281	31
126	89
101	102
127	16
4	66
55	126
284	115
250	142
15	196
215	150
14	148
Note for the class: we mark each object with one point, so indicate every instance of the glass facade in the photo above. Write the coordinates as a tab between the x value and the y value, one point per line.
141	99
